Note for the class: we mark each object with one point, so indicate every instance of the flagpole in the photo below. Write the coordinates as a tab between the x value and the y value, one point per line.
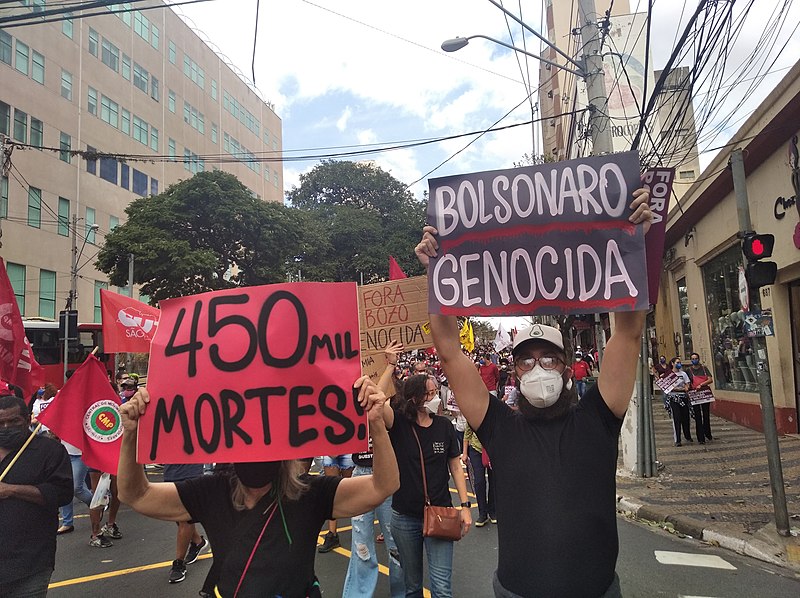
24	446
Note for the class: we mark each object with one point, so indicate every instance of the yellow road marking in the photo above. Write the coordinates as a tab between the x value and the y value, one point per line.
119	572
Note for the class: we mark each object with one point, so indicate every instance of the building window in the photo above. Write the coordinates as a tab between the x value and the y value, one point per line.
153	186
141	26
126	122
214	89
154	89
110	55
108	170
65	145
213	133
5	47
37	132
91	219
126	67
63	216
140	130
98	311
125	176
20	126
21	58
192	70
5	118
47	294
686	174
171	101
16	274
734	362
171	149
173	53
66	85
154	139
91	104
126	16
141	78
113	222
34	207
154	36
94	42
139	183
37	67
4	197
66	27
91	163
109	111
686	325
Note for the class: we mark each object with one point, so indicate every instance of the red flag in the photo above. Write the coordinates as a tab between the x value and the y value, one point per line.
17	364
86	413
128	325
395	271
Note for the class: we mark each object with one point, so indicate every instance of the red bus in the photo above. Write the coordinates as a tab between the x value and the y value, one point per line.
49	351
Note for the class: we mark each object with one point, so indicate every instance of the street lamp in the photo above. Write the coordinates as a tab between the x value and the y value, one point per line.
73	285
456	43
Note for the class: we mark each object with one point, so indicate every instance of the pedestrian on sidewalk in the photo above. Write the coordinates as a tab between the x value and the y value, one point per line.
679	403
701	379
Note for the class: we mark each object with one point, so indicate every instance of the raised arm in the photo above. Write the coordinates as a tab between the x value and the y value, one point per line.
462	376
159	500
386	382
358	495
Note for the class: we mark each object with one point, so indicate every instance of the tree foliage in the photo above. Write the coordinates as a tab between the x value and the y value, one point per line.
205	233
357	216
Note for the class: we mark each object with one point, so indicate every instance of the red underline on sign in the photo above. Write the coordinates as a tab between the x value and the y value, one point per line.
485	236
527	308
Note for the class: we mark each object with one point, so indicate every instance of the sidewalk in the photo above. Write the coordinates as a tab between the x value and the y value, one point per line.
718	492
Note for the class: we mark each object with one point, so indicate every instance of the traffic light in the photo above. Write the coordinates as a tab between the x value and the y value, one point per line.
755	248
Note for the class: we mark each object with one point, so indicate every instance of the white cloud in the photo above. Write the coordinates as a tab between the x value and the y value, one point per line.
341	124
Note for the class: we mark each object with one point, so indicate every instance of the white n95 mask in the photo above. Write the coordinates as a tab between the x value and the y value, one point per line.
433	405
542	387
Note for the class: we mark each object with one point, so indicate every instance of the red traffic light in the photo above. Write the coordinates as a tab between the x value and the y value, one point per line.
756	247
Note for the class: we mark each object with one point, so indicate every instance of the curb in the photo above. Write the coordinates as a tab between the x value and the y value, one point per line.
741	544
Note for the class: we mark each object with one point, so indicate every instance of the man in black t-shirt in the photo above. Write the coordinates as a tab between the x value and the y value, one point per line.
555	459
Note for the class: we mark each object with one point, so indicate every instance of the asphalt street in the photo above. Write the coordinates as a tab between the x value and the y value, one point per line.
652	563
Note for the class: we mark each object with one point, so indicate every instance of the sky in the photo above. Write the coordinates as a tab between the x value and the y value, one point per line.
348	73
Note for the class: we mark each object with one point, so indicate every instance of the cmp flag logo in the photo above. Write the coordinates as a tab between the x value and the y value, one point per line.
102	421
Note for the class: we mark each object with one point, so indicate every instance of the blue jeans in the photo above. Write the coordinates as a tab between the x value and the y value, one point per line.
581	388
81	490
485	507
362	572
407	532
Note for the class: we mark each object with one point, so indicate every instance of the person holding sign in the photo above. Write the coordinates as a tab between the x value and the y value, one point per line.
679	403
263	522
701	380
555	458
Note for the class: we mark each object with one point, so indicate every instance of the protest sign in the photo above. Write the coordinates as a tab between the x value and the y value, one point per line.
255	374
700	396
128	325
546	239
659	182
388	311
668	382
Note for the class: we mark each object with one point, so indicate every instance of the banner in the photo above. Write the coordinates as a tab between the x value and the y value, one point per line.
85	413
659	182
255	374
546	239
17	363
467	336
393	310
668	382
502	339
395	271
128	325
698	397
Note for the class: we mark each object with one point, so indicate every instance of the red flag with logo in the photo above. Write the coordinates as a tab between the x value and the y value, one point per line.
395	271
17	364
86	413
128	325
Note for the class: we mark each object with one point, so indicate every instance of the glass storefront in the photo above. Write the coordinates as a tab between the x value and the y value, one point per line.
734	362
686	326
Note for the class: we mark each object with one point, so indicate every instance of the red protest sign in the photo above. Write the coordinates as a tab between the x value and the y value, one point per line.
128	325
255	374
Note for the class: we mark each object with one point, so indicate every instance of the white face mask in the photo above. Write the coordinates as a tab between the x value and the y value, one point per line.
542	387
433	405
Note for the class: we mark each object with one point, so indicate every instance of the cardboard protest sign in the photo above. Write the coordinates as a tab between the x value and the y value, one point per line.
659	182
547	239
393	310
668	382
255	374
700	396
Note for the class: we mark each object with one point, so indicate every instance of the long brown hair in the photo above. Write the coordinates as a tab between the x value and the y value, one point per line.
413	393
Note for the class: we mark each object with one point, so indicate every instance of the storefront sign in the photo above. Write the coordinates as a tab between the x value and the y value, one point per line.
546	239
758	323
255	374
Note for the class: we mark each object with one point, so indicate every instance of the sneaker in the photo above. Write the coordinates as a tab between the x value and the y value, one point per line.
493	519
195	550
111	531
331	542
178	572
100	542
481	521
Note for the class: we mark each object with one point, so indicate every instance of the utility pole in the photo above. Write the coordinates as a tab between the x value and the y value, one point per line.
760	348
129	356
73	291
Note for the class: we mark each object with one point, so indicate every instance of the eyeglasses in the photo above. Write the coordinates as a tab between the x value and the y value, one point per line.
547	362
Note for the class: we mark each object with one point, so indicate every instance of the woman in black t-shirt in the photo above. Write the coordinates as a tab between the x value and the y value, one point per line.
414	420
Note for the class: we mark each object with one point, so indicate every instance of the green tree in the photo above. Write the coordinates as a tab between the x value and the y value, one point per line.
358	215
205	233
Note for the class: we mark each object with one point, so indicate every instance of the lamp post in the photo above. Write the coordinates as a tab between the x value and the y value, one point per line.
73	282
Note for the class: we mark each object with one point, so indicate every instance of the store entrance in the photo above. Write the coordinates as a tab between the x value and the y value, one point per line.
794	307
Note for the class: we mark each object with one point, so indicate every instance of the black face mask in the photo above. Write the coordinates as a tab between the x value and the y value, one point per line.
12	438
257	475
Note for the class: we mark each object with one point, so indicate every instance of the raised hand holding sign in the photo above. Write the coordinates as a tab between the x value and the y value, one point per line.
254	374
